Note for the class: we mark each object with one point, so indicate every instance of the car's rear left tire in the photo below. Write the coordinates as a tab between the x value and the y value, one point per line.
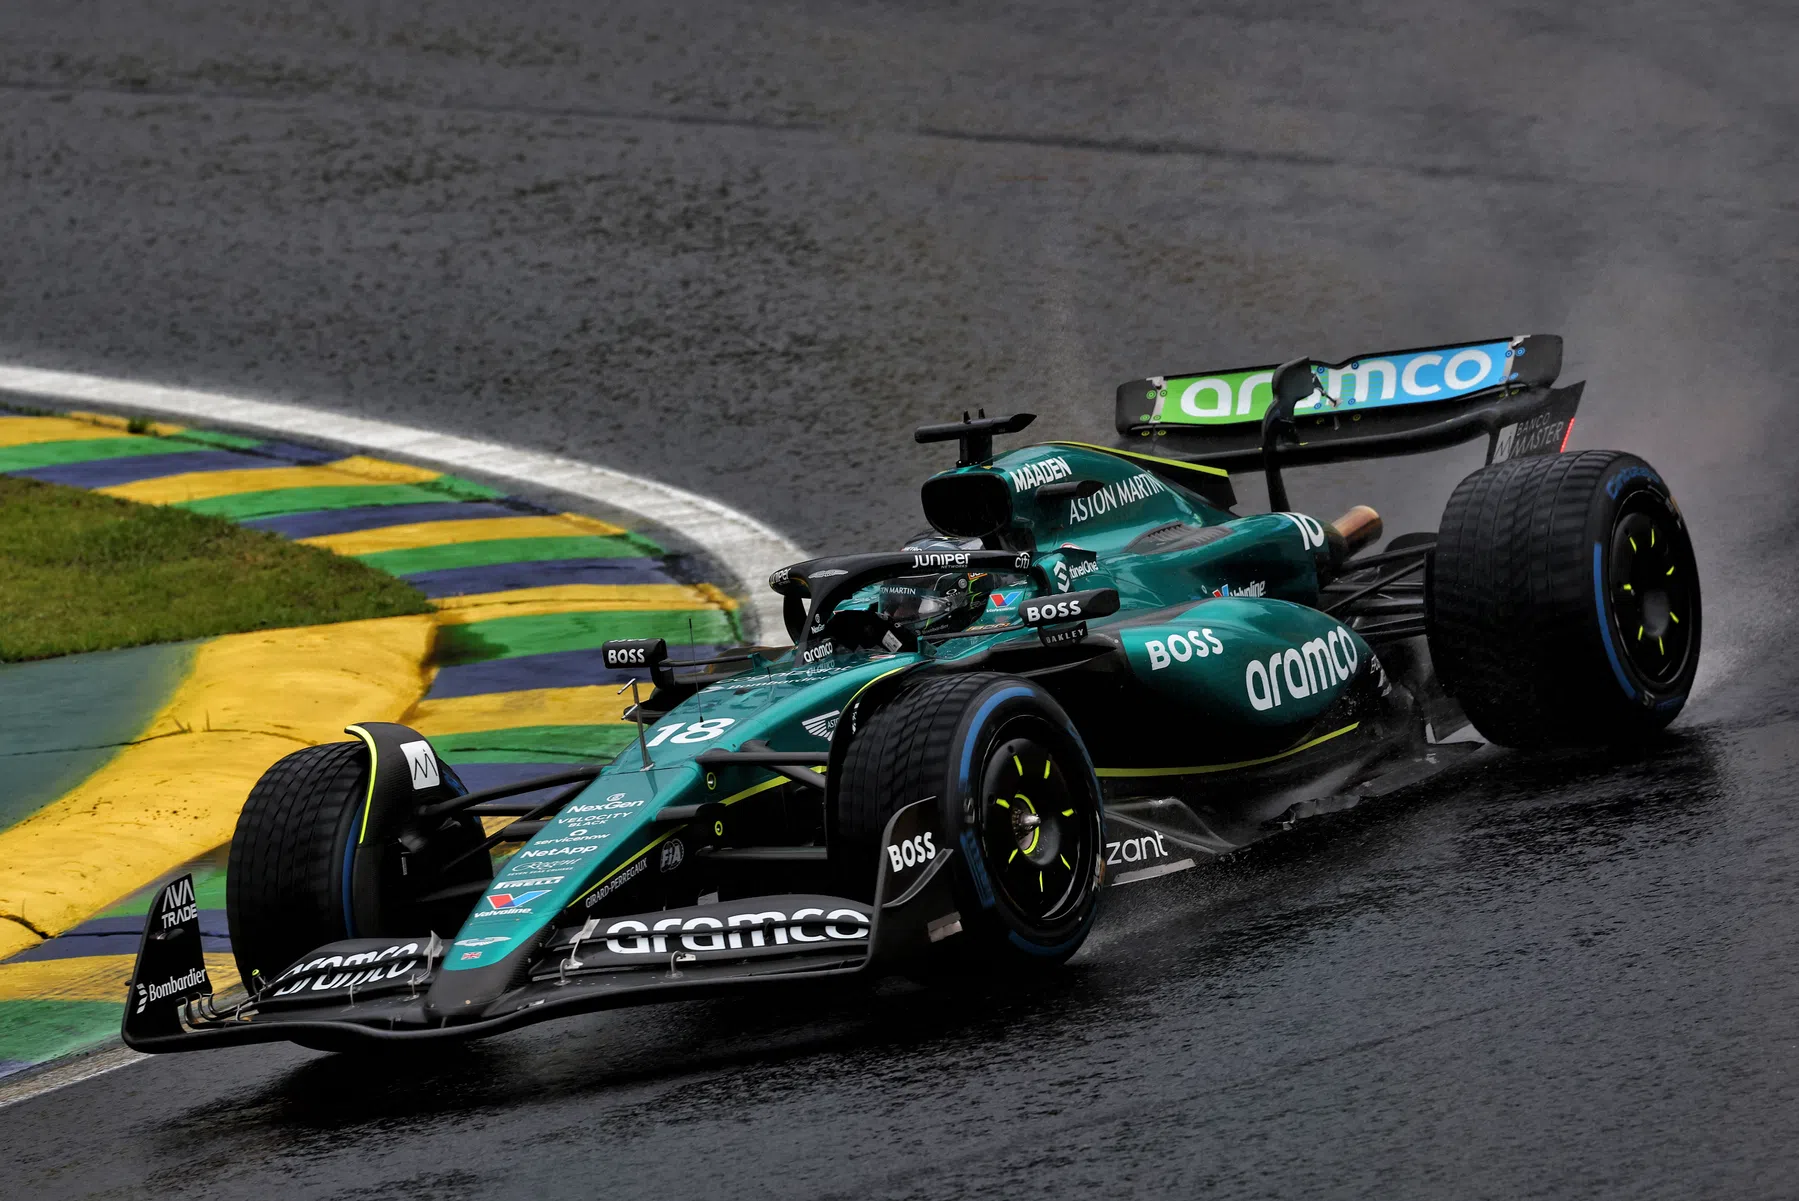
1013	781
1563	599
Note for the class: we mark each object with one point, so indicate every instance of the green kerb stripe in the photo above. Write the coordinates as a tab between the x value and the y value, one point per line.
36	1031
537	744
509	637
281	501
507	550
84	450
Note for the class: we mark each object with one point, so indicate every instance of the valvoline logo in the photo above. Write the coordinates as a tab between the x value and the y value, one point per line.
1006	600
512	900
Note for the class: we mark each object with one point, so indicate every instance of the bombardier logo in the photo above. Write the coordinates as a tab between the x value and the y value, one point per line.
738	931
146	993
1311	668
1125	492
1043	471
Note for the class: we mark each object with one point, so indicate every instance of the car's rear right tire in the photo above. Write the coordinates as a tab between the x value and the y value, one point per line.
1563	601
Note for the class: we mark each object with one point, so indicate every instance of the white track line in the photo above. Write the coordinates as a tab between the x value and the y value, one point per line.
743	546
62	1073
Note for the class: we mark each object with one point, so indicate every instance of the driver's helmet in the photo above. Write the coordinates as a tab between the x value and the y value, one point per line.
939	600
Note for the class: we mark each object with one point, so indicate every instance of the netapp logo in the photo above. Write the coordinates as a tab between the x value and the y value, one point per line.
1316	665
146	993
1043	471
771	928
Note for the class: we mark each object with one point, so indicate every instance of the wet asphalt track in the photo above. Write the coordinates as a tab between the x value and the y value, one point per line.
746	254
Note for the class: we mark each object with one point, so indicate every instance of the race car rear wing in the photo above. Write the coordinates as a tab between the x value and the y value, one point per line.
1396	402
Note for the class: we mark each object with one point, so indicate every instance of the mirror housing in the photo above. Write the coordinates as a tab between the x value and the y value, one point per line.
1293	381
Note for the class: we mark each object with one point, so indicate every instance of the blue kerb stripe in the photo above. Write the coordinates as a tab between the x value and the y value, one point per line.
1605	625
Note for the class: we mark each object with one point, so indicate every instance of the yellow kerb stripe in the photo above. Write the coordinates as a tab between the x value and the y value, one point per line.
580	706
578	598
175	791
1140	772
113	421
442	533
205	485
22	431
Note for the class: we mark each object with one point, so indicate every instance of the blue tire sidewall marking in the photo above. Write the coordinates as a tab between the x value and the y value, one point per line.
1605	621
971	849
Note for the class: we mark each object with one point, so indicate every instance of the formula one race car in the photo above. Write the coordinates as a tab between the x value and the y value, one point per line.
1092	672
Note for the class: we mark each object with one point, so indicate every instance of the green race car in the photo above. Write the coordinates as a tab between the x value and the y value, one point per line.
1091	672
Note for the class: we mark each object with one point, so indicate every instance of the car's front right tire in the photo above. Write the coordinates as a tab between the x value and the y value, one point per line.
1013	781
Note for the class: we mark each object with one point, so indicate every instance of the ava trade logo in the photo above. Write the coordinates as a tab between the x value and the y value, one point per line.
512	900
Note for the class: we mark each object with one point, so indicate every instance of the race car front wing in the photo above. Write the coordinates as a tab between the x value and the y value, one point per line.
364	991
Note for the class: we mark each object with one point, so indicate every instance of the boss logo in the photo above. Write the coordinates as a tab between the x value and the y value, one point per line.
910	852
1037	612
635	652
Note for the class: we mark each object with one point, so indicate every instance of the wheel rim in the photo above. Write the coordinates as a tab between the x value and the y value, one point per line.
1037	831
1652	583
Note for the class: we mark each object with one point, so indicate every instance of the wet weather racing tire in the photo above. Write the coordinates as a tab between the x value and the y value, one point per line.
1564	601
286	888
1013	781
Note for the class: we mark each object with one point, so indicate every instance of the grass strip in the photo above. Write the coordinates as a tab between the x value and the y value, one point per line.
84	572
506	550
